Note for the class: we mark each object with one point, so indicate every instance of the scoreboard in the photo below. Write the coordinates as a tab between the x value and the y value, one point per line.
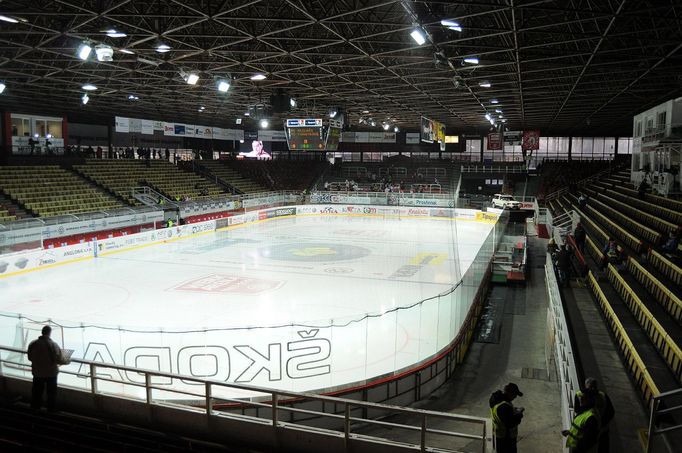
305	134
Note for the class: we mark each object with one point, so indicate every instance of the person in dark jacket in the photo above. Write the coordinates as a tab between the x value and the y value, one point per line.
506	418
580	236
46	357
564	265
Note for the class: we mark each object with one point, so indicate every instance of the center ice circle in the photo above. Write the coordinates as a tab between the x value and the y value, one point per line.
314	252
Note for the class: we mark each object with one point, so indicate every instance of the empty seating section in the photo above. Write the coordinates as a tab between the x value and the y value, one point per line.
640	297
663	295
233	177
633	361
50	191
666	345
5	216
120	176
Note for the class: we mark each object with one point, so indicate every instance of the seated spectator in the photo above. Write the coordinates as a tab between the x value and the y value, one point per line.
611	253
582	201
672	242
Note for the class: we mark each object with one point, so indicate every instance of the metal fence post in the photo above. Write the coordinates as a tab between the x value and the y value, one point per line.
93	378
274	410
346	425
209	398
422	441
148	387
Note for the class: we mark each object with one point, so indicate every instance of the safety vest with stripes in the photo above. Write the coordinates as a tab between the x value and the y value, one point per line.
577	428
499	428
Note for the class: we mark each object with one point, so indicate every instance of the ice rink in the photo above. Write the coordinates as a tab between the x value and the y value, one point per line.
255	303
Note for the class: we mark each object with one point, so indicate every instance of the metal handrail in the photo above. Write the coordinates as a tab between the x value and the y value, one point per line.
277	402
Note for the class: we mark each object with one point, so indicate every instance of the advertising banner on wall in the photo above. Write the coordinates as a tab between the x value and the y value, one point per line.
531	140
147	127
495	141
168	129
122	124
412	138
512	138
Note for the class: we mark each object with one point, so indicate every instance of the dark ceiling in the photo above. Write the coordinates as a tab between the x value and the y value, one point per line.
564	67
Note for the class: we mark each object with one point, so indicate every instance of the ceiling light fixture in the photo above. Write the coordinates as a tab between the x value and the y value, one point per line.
333	113
264	123
372	123
2	87
104	52
8	19
163	48
451	24
192	79
396	129
494	101
126	51
247	113
418	36
471	60
223	86
85	98
84	51
132	97
89	87
498	111
112	33
386	126
485	84
293	103
257	77
488	117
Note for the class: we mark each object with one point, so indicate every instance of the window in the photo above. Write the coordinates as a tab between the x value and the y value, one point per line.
660	121
638	129
21	127
624	146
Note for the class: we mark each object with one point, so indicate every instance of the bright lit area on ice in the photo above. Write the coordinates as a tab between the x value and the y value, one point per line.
306	302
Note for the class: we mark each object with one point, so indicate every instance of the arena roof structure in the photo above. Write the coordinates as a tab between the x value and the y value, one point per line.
561	66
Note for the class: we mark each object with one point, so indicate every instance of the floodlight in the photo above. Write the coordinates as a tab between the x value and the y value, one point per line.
2	87
494	101
104	52
238	121
485	84
112	33
84	51
292	103
8	19
163	48
418	36
372	123
488	117
333	113
396	129
126	51
85	98
132	97
386	126
89	87
264	123
48	136
471	60
247	113
257	77
498	111
191	78
451	24
36	135
223	86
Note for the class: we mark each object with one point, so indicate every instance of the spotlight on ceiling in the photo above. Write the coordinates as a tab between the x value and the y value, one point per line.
163	48
293	103
126	51
257	77
418	36
238	121
333	112
451	24
488	117
85	98
386	126
191	78
494	101
372	123
471	60
89	87
132	97
498	111
396	129
2	87
84	51
223	86
8	19
112	33
264	123
104	52
485	84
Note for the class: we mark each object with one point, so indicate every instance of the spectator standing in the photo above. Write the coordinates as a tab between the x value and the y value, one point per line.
167	154
582	201
46	357
584	433
604	408
506	417
580	236
564	265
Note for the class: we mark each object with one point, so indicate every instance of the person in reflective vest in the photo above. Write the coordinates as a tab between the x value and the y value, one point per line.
603	406
584	433
506	418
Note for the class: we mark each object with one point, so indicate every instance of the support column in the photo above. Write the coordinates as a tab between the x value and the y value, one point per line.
570	147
